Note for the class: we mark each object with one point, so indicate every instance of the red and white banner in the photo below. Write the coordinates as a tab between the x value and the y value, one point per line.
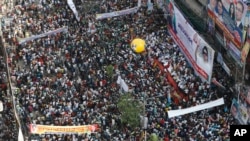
198	52
46	129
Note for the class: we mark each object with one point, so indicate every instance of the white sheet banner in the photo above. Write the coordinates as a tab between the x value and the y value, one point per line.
116	13
63	29
174	113
73	8
122	84
198	52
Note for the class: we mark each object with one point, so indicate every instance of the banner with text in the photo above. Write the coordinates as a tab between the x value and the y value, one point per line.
116	13
199	54
46	129
229	16
33	37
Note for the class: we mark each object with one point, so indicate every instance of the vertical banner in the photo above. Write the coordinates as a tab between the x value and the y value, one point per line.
229	16
197	51
73	8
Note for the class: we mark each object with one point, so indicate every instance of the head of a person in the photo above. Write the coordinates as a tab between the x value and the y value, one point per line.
231	8
220	7
213	4
205	53
239	10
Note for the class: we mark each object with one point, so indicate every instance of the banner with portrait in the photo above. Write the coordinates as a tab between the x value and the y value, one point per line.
229	16
197	51
47	129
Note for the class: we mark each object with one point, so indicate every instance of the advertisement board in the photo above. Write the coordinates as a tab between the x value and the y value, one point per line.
197	51
230	17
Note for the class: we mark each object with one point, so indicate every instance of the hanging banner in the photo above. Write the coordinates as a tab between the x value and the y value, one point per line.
46	129
116	13
33	37
244	52
197	51
229	16
73	8
174	113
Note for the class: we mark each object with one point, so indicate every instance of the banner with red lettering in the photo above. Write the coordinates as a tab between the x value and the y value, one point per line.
46	129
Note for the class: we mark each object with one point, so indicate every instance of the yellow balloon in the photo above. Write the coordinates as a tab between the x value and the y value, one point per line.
138	45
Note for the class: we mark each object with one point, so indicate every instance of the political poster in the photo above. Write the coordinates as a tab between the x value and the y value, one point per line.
197	51
229	16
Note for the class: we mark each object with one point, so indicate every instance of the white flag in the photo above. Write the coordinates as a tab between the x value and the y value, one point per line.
73	8
20	135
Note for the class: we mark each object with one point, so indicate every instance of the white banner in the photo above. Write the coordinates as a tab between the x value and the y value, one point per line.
63	29
73	8
174	113
122	84
116	13
199	54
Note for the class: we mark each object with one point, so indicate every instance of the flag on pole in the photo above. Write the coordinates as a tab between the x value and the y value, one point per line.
73	8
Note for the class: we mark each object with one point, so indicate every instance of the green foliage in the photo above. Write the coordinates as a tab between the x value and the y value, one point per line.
153	137
110	71
130	109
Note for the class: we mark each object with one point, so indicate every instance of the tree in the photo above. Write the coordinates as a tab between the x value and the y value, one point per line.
110	71
153	137
130	109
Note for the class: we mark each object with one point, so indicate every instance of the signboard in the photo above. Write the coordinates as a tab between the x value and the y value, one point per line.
197	51
230	17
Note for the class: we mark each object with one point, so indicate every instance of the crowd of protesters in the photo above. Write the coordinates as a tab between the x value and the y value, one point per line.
8	125
63	79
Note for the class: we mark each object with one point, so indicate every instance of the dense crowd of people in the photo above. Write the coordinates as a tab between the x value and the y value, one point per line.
63	80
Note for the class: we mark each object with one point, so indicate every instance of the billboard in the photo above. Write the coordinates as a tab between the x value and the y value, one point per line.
199	54
230	17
